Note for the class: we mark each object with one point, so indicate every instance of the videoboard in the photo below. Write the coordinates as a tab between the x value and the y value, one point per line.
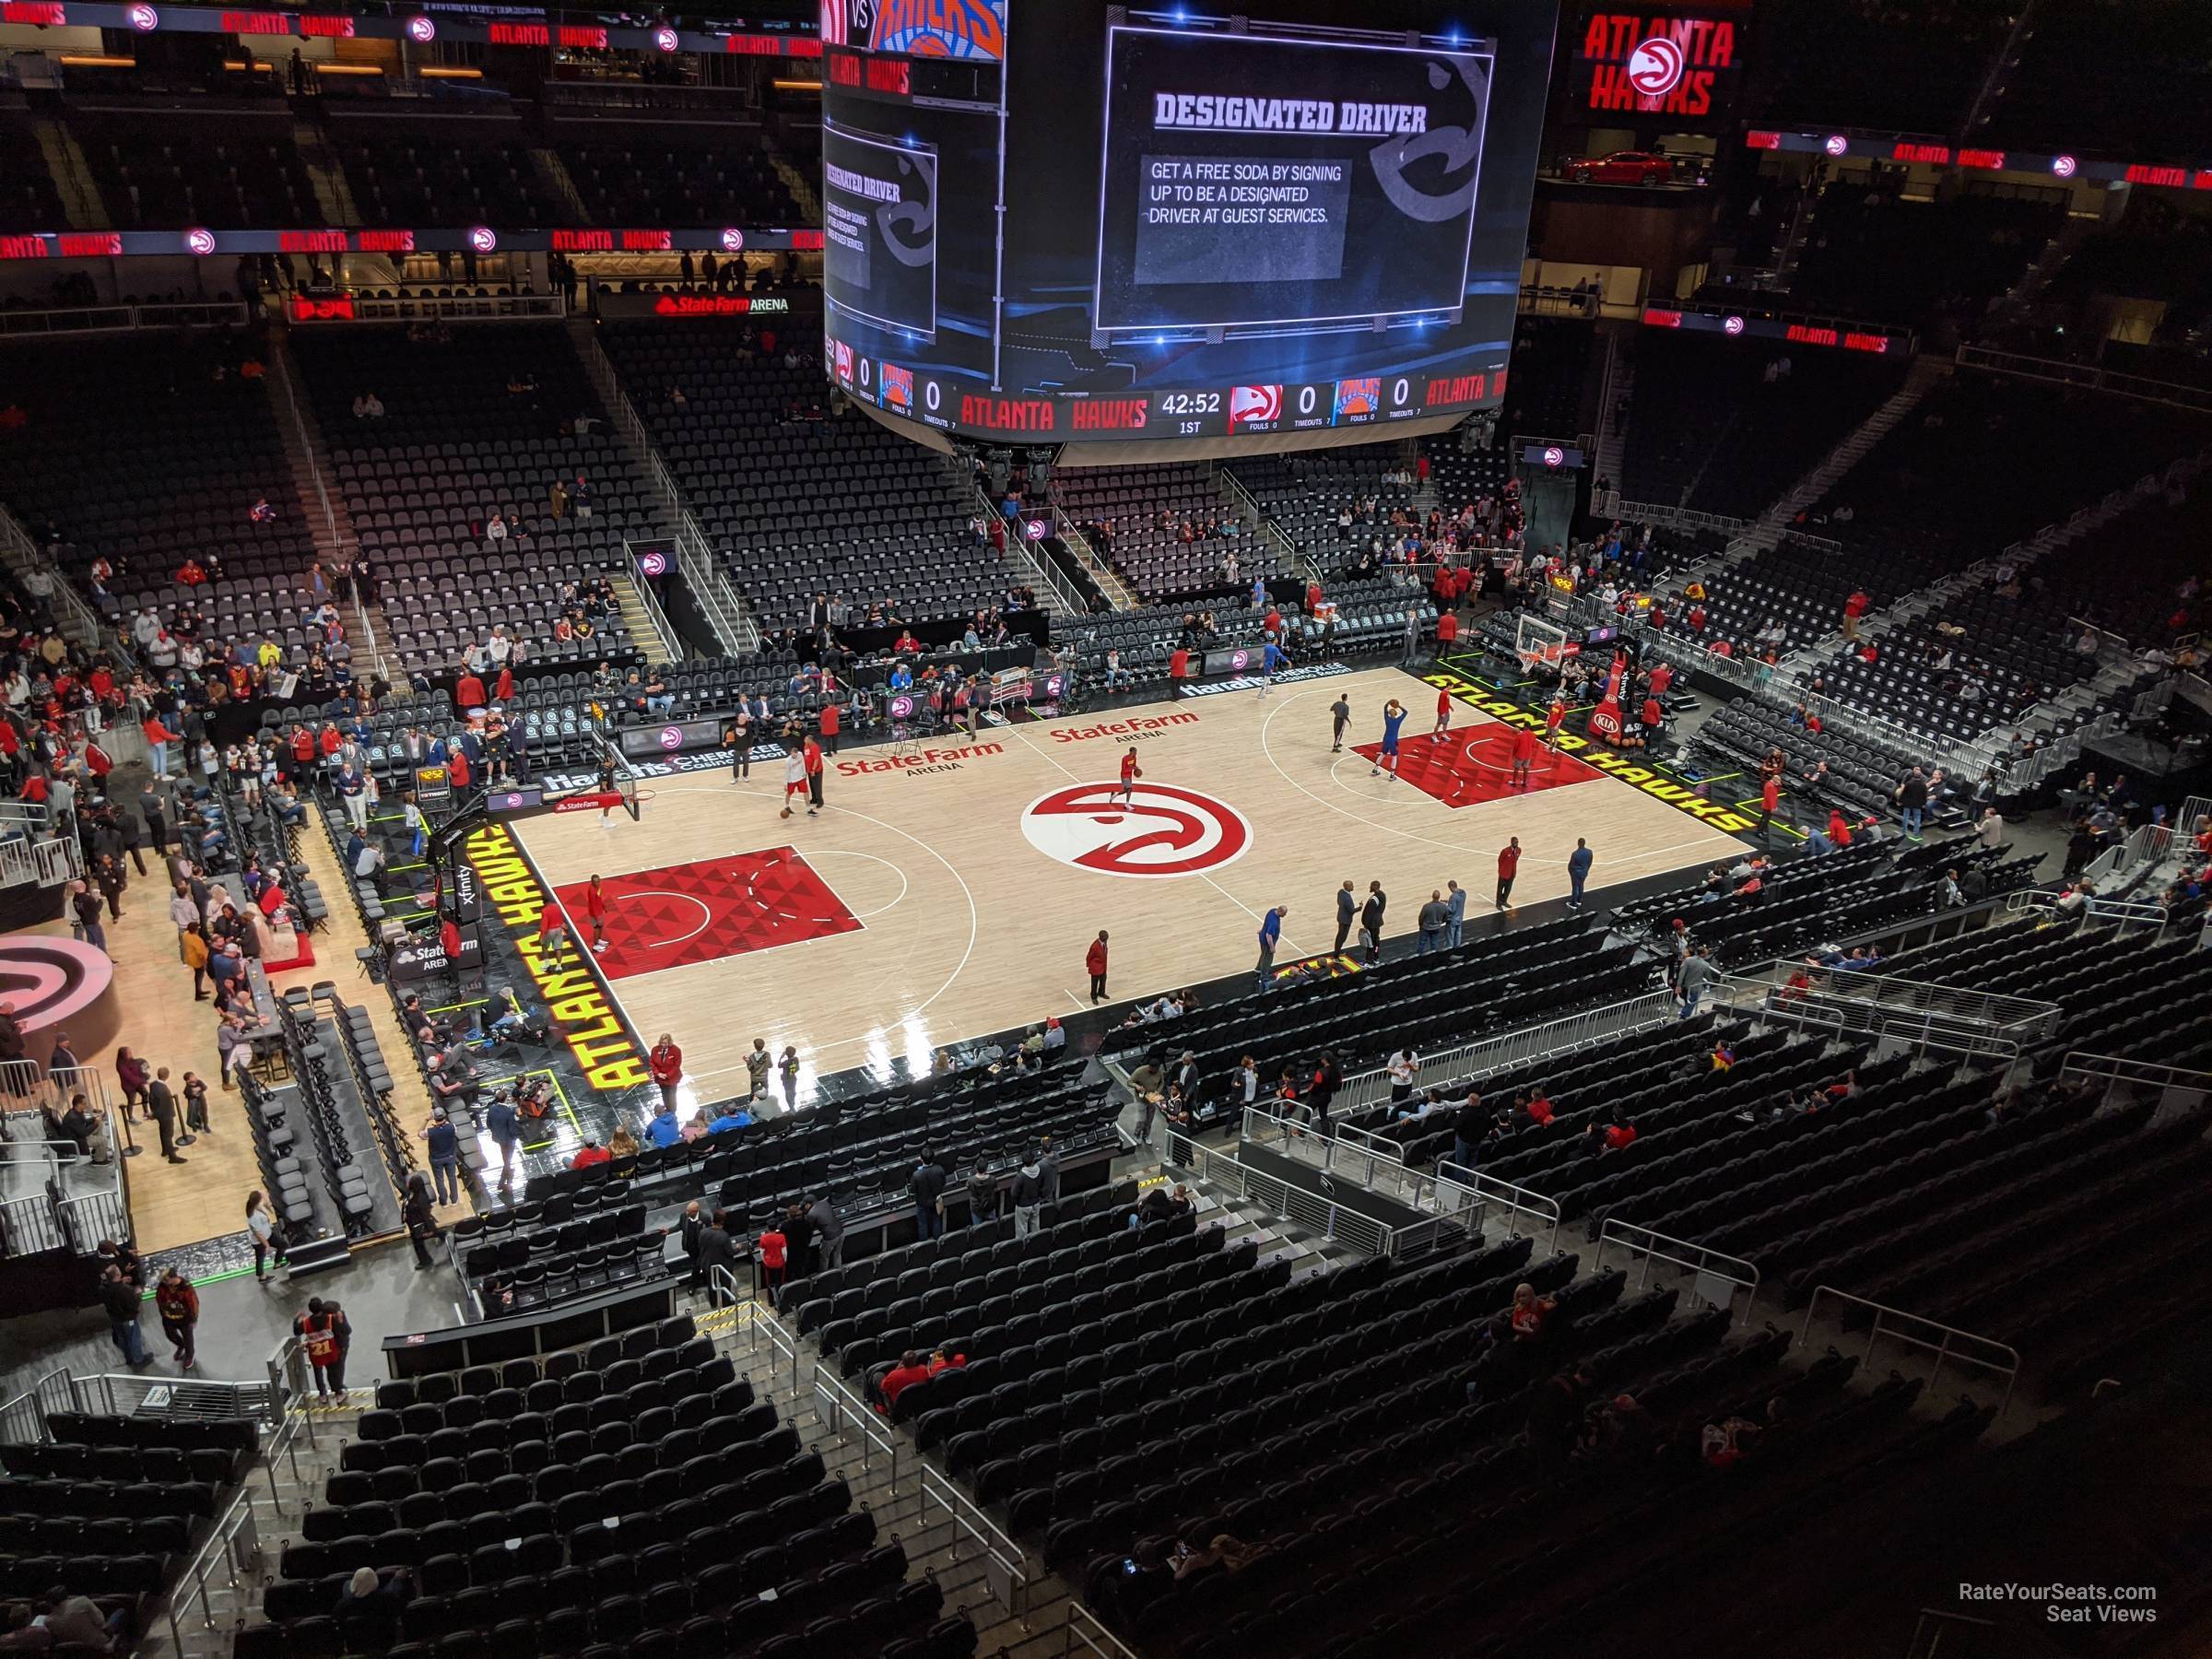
1074	220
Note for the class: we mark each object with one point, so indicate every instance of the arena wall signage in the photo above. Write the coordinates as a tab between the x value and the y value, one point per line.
1683	65
512	25
450	239
587	1020
1910	147
1869	337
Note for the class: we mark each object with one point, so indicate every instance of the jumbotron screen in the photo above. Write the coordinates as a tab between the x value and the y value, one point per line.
1060	220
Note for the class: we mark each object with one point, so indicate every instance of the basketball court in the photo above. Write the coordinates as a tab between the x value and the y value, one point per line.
949	890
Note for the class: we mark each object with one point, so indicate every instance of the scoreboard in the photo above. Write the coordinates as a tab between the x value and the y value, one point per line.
1078	220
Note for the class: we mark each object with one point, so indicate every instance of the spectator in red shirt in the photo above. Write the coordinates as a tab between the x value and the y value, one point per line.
831	723
666	1062
1094	962
456	767
774	1254
1620	1135
591	1153
901	1377
158	737
1854	608
468	692
1540	1109
1528	1312
1662	677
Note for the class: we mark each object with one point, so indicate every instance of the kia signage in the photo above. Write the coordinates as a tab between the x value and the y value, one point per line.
1680	66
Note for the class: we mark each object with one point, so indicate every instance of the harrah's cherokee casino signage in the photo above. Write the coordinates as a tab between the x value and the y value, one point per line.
1679	64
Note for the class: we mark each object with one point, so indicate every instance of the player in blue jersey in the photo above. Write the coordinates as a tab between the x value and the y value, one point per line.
1272	658
1394	716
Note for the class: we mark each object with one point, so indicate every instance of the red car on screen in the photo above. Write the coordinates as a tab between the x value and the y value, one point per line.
1622	167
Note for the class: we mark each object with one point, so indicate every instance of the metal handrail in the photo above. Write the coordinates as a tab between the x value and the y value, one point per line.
234	1545
307	443
840	1409
1005	1567
2090	375
1886	991
1705	1262
1472	1061
649	602
1323	1215
2096	908
1024	553
2119	1068
2009	1369
723	1279
726	614
121	319
23	1417
1456	1190
1097	1638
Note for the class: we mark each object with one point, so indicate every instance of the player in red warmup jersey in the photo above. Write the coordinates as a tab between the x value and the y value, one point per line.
1525	757
1131	772
1443	713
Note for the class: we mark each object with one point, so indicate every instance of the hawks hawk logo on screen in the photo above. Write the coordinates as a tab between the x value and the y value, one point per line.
1655	66
840	357
1249	405
942	28
1163	830
1431	175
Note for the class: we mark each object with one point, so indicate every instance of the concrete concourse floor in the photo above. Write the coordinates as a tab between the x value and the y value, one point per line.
243	1322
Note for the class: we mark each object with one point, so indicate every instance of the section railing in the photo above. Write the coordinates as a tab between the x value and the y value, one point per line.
1468	1196
1894	994
846	1415
2126	912
1474	1060
1005	1567
1309	1210
1681	518
1948	1342
120	319
2174	1083
1083	1627
31	1224
1711	1267
23	1415
231	1553
280	359
723	1284
82	624
2088	375
2146	843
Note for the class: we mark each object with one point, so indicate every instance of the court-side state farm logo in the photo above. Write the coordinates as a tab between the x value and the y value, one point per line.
1163	832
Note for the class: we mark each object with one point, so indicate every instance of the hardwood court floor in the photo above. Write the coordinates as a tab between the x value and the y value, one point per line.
951	892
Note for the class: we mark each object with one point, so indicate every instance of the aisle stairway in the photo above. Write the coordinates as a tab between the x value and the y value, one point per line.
642	629
1926	372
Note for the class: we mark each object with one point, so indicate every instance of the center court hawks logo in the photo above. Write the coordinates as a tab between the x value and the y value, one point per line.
1168	832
